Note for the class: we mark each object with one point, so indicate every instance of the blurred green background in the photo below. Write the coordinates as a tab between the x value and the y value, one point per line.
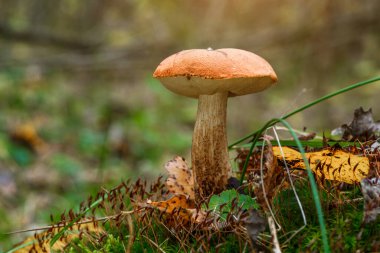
79	109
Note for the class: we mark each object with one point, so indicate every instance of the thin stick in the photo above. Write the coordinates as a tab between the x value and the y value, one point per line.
272	228
155	244
131	234
296	131
292	185
76	223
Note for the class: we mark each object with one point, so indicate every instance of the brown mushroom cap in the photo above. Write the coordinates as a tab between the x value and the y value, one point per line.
205	71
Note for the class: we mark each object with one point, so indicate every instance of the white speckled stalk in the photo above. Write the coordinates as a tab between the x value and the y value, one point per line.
209	153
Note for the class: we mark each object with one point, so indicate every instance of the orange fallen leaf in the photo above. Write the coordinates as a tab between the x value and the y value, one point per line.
179	206
180	180
331	164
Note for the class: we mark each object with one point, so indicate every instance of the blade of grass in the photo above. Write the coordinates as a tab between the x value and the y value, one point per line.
19	247
253	144
313	186
293	143
71	223
319	100
293	188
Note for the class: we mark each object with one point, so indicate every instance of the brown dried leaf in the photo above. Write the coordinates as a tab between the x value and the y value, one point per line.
180	180
181	207
255	224
362	127
336	165
307	136
273	178
172	204
371	194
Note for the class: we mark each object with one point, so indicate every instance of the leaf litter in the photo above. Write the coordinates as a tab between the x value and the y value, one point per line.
232	211
362	127
180	179
371	194
172	207
329	163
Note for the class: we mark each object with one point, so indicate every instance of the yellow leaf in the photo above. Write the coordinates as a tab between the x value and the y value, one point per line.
41	242
332	164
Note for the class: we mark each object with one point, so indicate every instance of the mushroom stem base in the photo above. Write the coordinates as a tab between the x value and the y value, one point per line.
209	154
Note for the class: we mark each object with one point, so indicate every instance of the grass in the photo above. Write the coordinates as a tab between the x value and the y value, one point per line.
315	143
308	105
342	221
272	122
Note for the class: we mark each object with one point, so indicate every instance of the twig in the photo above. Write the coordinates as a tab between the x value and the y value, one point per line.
302	133
155	244
292	185
272	228
76	223
347	201
131	234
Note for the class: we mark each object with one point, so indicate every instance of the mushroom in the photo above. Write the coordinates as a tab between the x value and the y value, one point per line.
212	76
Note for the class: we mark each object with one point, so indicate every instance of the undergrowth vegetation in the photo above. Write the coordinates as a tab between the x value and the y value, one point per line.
127	218
82	120
144	229
58	146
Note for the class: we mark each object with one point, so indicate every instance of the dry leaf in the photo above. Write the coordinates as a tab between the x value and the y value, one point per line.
41	242
174	203
255	224
27	135
371	194
362	127
180	180
307	136
181	183
330	164
179	206
273	178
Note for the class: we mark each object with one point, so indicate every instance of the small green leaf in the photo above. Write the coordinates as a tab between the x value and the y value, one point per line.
222	203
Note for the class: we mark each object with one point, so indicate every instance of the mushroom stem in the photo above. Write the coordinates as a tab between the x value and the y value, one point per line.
209	153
